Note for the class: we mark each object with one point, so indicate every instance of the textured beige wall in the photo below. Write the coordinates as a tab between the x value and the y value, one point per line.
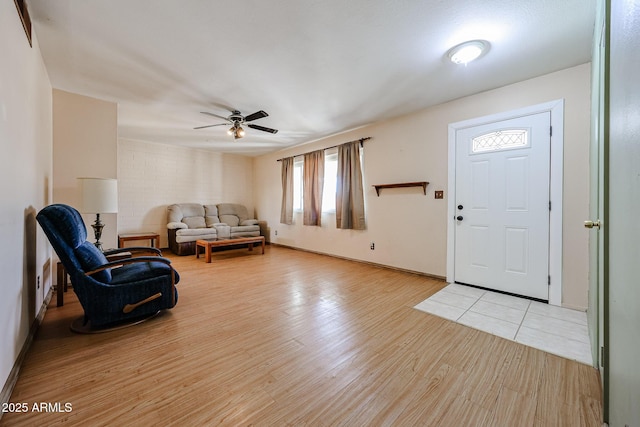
25	184
409	229
152	176
85	134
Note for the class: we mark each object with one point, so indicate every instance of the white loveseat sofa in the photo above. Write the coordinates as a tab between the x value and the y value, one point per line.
188	222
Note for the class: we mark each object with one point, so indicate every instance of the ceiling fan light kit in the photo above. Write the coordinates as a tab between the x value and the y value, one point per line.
236	120
236	131
468	51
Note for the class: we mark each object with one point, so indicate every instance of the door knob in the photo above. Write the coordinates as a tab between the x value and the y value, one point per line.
459	217
592	224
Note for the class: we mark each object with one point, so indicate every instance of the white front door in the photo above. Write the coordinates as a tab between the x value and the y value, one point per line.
502	205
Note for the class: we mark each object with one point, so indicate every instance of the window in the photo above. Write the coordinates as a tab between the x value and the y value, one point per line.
330	182
500	140
329	188
297	184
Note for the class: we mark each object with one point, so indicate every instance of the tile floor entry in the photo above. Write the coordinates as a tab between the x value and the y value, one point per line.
557	330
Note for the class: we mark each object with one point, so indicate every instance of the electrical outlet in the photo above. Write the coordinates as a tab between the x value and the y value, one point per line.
438	194
276	232
373	246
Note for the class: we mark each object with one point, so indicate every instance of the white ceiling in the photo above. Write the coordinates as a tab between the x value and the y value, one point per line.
318	67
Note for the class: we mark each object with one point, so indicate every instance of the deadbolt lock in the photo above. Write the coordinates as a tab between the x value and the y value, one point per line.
592	224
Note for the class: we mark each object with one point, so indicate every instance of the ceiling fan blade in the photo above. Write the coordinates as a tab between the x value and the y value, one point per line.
262	128
222	106
208	126
257	115
214	115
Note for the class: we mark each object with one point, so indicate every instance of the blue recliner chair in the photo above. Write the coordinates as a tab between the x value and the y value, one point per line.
111	293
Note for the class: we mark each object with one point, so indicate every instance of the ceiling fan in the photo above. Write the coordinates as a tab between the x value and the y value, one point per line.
236	120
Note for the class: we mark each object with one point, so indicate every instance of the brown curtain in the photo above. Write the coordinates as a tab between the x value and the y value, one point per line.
313	181
286	211
349	192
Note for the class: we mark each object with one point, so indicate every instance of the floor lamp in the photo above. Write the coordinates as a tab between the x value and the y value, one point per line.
99	195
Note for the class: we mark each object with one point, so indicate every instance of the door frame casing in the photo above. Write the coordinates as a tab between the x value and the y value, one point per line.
556	110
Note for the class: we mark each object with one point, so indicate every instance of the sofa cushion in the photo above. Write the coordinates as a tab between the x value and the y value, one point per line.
205	233
191	209
211	215
245	229
177	211
231	220
235	209
195	231
91	258
193	234
176	225
195	222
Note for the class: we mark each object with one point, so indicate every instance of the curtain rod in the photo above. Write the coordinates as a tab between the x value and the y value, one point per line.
329	148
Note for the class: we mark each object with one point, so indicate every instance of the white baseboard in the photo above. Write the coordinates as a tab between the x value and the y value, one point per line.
375	264
9	385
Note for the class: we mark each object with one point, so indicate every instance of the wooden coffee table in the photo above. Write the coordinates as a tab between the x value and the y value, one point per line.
209	244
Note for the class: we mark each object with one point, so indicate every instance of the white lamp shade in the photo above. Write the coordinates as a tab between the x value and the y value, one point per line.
99	195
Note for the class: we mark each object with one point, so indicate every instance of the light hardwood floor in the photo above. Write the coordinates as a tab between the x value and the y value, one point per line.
294	338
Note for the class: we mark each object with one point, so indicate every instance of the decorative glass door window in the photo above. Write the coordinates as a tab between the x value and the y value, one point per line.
500	140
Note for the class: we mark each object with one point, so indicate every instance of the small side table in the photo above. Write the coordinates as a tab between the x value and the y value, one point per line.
152	237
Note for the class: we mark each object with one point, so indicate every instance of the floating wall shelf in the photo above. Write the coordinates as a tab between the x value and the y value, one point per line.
422	184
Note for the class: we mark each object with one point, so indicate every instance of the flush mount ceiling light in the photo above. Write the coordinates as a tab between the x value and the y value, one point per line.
468	51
